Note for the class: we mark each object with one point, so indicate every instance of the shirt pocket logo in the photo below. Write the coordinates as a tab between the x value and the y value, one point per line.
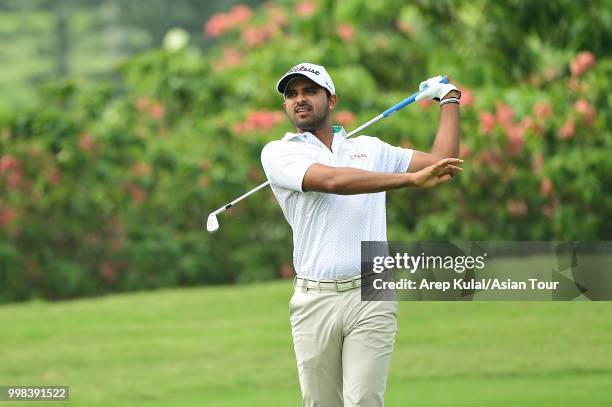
358	156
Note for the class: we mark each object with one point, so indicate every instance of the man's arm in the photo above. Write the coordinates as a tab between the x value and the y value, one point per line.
446	143
350	181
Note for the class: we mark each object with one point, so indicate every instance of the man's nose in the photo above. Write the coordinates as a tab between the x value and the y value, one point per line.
301	97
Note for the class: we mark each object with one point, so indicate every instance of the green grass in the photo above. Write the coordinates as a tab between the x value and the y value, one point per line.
231	346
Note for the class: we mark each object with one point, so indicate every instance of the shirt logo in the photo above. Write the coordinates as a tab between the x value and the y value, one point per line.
357	156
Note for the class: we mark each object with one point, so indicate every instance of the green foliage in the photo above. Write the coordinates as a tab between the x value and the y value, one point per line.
107	187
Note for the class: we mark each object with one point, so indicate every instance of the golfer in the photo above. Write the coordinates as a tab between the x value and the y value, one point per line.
331	190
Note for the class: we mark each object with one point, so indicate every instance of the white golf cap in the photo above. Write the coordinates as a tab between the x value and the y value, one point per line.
315	73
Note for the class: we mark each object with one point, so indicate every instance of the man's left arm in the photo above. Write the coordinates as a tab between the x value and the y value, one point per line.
446	144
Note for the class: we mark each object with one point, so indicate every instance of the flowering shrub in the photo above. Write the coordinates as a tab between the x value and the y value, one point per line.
104	190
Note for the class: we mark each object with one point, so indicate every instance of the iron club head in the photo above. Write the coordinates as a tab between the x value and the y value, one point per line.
212	224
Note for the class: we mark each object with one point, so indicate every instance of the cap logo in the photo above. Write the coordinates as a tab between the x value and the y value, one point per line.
303	68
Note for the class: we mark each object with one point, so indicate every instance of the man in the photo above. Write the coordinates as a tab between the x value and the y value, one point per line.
331	190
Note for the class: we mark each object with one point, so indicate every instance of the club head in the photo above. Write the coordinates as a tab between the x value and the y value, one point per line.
212	224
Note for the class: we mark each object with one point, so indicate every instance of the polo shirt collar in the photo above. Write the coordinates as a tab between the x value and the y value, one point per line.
339	130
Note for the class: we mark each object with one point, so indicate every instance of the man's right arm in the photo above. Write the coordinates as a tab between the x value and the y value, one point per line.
350	181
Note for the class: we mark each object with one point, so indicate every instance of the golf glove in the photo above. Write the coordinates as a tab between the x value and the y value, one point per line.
433	89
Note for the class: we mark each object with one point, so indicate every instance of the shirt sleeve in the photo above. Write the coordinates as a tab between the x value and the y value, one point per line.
285	164
394	159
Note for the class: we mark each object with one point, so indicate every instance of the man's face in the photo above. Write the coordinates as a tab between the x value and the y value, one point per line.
307	104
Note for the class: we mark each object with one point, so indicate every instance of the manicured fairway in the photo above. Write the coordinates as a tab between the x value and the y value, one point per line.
231	346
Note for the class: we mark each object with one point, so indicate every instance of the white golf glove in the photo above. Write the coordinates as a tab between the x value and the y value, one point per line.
433	89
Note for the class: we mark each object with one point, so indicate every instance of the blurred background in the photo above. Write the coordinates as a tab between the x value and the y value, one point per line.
124	123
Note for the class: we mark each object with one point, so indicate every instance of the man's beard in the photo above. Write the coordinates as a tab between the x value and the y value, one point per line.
315	123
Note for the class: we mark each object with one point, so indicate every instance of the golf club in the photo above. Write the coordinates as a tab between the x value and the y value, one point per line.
212	224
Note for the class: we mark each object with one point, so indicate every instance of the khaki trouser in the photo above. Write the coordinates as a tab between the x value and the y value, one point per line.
342	346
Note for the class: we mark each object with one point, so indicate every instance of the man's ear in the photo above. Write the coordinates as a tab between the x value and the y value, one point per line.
332	101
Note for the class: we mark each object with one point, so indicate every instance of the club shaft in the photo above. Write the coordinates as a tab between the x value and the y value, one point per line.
363	126
240	198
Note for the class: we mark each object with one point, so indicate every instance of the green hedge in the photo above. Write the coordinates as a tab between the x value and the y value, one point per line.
107	188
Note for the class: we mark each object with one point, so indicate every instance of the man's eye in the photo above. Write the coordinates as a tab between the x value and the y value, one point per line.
310	91
290	94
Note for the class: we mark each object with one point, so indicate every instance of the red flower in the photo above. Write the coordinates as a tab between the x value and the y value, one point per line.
140	170
493	159
137	194
346	32
231	57
241	128
567	130
425	103
86	142
306	8
581	63
345	117
218	24
574	84
405	27
261	120
286	270
467	97
9	163
241	14
542	110
157	110
14	178
487	122
515	136
55	177
548	211
504	114
584	108
546	187
143	103
254	36
10	167
264	120
276	15
7	216
464	151
516	208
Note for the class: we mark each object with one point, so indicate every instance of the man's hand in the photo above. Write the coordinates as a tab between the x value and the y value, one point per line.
433	89
437	173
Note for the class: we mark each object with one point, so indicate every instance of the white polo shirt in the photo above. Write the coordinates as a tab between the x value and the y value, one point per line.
328	228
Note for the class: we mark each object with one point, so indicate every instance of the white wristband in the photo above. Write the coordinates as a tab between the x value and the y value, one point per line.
450	100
